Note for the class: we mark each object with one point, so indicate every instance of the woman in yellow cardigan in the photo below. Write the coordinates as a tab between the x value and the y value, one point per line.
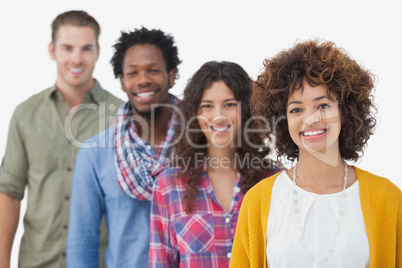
322	212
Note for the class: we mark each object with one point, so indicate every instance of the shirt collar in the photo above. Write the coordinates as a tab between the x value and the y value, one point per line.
205	176
94	95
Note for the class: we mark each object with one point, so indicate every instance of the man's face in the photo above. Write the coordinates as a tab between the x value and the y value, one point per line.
145	78
75	51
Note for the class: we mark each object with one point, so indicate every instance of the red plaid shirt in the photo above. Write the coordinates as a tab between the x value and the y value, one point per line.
203	238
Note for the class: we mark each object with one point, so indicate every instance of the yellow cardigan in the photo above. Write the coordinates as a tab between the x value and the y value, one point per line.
381	203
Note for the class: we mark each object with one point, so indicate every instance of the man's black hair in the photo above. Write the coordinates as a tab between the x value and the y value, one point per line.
164	42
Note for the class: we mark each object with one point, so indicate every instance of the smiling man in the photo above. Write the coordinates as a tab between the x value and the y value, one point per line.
116	180
44	137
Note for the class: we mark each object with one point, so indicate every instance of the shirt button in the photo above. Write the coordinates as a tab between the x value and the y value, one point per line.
237	189
68	169
65	226
63	254
229	254
67	197
227	220
112	107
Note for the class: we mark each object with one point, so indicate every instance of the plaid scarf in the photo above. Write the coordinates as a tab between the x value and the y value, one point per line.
135	160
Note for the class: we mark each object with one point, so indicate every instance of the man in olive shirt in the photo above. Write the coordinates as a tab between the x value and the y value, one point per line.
46	131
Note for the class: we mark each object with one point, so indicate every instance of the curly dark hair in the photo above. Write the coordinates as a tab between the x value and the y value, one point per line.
318	62
236	78
144	36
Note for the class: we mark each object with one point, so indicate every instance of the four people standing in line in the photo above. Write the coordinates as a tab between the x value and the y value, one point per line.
322	212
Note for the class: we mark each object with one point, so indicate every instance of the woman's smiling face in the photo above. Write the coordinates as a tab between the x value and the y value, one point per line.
313	119
219	115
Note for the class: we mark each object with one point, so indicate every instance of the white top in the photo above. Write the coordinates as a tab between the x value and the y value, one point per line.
319	214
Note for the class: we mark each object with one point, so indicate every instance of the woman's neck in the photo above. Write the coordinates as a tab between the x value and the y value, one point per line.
318	175
221	158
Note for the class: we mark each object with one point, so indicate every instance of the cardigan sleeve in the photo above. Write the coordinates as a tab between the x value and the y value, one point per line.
381	203
399	234
249	246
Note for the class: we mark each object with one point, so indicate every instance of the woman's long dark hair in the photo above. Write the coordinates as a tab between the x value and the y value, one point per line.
235	77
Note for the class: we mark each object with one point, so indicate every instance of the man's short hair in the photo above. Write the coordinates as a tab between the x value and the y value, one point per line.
143	36
75	18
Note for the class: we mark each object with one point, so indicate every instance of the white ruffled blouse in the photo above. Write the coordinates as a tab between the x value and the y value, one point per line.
318	214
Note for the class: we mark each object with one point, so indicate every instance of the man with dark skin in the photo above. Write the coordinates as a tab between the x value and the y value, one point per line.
116	180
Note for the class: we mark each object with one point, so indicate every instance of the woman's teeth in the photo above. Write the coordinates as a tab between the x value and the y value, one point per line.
220	128
313	133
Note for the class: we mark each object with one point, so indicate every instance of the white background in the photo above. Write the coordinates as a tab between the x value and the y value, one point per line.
245	32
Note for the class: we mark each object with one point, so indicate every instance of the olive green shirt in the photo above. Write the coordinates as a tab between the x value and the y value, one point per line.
43	142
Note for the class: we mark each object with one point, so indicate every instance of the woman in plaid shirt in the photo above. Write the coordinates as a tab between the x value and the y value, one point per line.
195	204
